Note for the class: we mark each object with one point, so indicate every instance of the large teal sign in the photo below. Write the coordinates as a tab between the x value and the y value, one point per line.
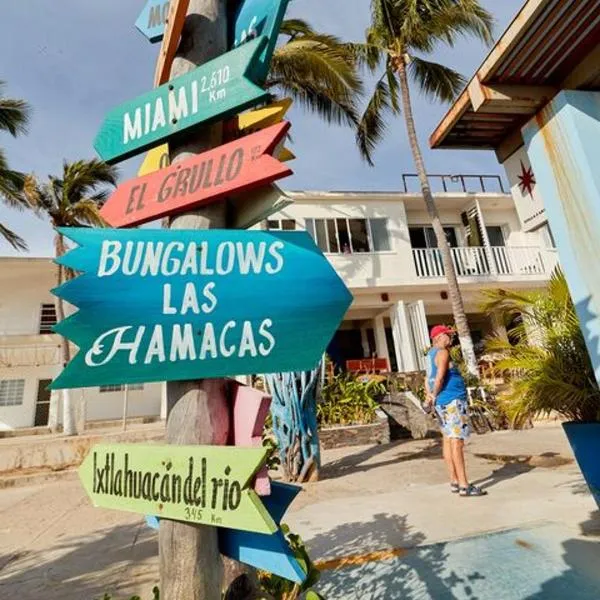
162	305
216	90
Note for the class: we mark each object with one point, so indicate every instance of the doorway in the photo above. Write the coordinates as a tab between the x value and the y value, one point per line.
42	404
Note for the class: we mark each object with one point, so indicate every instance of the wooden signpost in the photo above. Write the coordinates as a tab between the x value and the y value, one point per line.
230	169
198	484
177	305
173	29
257	205
216	90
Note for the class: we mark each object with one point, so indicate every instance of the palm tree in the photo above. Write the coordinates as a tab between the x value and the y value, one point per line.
318	71
14	117
70	201
551	372
399	32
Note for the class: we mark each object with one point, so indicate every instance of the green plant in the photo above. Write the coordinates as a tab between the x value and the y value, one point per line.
349	400
155	595
277	588
546	360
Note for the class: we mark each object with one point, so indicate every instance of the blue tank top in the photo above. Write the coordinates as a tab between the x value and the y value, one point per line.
453	388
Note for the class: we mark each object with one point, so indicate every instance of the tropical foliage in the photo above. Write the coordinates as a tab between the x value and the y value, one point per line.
401	34
349	400
546	360
72	200
14	117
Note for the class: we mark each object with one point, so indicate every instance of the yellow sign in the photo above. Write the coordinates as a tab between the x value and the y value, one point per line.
247	123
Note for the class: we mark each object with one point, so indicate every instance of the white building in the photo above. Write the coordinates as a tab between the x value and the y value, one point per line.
381	244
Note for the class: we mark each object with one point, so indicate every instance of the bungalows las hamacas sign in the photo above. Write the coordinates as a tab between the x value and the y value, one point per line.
209	485
216	90
167	305
230	169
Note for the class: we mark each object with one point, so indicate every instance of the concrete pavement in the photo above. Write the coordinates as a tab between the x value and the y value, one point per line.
392	499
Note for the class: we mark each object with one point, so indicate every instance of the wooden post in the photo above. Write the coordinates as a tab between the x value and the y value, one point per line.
197	411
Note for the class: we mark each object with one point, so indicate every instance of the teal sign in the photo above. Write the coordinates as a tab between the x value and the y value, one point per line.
162	305
251	19
214	91
152	19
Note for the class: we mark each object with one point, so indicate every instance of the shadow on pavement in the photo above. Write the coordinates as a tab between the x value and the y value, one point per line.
357	463
81	568
505	472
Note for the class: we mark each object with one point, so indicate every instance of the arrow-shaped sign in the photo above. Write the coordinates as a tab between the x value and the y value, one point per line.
168	305
253	18
216	90
250	409
208	485
269	553
173	29
256	206
244	124
230	169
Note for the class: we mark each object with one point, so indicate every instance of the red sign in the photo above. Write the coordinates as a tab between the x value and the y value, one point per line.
230	169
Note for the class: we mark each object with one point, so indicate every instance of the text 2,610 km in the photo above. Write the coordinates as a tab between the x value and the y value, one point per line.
209	84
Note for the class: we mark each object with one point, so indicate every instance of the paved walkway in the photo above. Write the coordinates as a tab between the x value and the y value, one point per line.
381	518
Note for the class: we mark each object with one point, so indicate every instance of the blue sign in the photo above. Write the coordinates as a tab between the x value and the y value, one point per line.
152	19
162	305
267	552
252	18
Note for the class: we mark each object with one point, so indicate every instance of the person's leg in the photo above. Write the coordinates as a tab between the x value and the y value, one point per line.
458	460
448	459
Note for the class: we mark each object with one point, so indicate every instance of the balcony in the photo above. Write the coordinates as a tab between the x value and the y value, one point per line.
477	262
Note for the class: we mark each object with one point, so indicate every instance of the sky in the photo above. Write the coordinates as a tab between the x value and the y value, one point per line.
75	60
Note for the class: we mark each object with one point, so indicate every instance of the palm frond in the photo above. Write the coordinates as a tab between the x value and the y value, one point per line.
17	242
11	185
372	125
293	27
464	18
14	114
436	81
82	177
84	212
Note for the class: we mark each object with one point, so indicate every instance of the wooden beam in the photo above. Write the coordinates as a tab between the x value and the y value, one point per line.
588	70
173	28
509	145
511	99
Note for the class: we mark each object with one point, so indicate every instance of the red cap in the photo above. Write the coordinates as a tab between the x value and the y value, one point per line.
440	330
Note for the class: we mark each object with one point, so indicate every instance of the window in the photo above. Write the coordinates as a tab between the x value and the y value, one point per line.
350	236
496	236
424	237
133	387
11	392
47	318
281	225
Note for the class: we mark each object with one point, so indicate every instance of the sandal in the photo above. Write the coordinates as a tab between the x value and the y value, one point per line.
472	490
454	488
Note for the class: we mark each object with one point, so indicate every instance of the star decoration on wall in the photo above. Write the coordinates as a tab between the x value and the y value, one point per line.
526	180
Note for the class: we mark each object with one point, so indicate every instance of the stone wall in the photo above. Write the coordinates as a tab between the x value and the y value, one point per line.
357	435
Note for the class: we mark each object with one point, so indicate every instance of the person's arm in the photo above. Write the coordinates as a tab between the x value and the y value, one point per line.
442	362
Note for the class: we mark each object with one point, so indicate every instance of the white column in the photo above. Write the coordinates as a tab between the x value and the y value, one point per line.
402	342
381	345
163	401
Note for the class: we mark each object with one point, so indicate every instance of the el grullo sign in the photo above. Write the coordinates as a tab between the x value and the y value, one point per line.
167	305
201	484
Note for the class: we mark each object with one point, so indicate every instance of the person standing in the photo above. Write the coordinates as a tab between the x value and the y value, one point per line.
447	395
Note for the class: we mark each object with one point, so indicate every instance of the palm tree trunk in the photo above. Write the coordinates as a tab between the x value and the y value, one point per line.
68	412
458	309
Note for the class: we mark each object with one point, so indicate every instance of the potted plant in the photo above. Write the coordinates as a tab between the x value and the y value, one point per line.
549	369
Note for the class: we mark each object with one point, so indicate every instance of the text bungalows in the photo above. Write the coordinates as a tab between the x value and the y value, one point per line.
202	484
216	90
158	305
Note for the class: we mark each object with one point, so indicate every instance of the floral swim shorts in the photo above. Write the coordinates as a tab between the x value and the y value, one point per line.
454	419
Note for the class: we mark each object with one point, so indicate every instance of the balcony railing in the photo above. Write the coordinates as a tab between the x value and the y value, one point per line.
476	262
455	183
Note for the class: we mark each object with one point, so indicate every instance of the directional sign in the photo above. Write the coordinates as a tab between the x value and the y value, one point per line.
174	27
230	169
216	90
244	124
255	18
198	484
168	305
152	19
269	553
250	409
252	19
256	206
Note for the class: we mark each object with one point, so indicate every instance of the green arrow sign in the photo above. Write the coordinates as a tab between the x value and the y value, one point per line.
209	485
216	90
